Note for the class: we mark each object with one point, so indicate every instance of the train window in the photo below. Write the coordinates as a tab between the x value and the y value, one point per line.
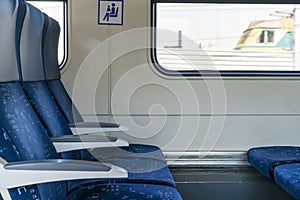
232	38
56	10
266	37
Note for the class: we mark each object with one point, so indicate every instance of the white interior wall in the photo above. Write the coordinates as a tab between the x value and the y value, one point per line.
173	113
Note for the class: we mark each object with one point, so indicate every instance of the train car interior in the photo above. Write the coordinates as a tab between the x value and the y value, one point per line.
149	99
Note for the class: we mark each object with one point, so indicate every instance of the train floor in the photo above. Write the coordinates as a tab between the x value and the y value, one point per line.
236	183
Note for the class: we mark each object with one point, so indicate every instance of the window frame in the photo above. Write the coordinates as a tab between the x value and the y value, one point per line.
66	31
214	73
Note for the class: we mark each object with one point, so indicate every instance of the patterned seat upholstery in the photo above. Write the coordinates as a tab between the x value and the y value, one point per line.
288	177
29	141
126	191
140	170
22	135
265	159
280	163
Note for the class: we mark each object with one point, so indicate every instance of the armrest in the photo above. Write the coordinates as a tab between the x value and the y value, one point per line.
59	164
43	171
79	142
84	138
94	127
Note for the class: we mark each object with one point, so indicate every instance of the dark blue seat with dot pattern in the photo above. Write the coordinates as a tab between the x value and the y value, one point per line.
29	141
23	136
140	170
20	128
279	163
265	159
288	177
126	192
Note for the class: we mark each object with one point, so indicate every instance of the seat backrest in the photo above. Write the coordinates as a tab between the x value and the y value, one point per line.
52	74
50	50
21	131
34	84
8	16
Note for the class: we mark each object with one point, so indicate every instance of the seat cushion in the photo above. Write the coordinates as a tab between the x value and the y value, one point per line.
143	171
265	159
288	177
125	191
132	151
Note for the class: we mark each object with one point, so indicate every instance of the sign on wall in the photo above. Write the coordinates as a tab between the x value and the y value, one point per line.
110	12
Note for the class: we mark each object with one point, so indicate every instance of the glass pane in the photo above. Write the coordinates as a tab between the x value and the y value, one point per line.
201	36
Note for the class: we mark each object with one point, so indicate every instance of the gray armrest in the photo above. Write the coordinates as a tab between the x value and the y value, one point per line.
94	127
84	138
79	142
59	164
36	172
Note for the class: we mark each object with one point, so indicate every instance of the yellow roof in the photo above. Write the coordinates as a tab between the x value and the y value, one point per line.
283	23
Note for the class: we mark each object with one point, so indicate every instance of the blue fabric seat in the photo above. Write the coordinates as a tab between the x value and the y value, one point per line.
14	109
32	74
126	191
288	177
23	137
137	173
265	159
140	170
65	104
28	140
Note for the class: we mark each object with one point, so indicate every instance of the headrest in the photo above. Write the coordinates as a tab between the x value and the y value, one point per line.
50	52
31	45
11	19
